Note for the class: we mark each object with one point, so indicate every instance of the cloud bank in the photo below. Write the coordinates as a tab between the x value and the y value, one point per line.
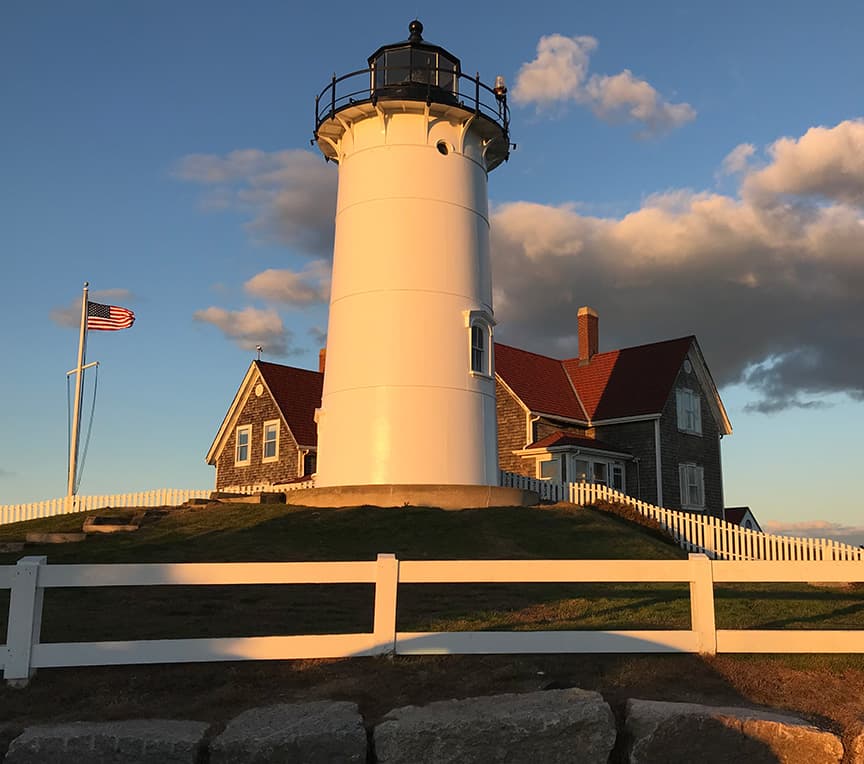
559	74
771	280
848	534
250	327
290	194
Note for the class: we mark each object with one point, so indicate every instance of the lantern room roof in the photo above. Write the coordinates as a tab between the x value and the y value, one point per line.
415	40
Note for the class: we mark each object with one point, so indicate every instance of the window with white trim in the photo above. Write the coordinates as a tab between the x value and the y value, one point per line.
689	411
478	349
243	446
479	324
270	444
692	480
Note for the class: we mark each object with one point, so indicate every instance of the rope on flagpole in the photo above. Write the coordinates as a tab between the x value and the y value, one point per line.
89	431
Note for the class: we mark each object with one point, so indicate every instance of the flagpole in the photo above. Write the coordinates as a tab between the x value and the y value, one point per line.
76	411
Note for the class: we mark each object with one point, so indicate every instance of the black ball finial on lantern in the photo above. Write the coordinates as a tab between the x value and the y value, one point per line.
415	30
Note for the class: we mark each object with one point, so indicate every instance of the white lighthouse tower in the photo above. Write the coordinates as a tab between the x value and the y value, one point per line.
409	388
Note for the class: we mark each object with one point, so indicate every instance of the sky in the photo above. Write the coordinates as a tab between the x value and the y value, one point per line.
682	168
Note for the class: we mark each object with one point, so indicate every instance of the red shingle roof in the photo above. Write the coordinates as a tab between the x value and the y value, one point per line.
620	383
540	382
297	393
631	381
563	439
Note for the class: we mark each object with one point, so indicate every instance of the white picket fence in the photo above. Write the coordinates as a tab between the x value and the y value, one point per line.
695	532
158	497
28	580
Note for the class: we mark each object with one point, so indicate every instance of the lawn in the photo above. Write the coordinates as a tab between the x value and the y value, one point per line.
808	684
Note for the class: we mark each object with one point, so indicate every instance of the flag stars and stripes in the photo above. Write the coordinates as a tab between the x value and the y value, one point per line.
108	317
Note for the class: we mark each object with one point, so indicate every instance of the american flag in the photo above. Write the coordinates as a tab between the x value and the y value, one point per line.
108	318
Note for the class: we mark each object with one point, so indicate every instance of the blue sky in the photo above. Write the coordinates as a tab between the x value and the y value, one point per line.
161	151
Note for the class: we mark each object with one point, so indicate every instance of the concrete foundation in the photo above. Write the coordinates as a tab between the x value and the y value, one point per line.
442	496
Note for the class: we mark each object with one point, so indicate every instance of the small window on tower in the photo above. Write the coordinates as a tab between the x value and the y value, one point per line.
479	324
478	351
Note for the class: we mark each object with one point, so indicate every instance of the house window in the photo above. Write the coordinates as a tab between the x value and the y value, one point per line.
600	473
270	449
689	411
310	463
617	471
242	455
550	470
692	479
580	471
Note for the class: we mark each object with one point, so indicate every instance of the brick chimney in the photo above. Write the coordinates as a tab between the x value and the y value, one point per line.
322	359
589	333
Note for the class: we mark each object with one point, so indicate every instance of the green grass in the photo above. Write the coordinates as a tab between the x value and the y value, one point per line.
279	533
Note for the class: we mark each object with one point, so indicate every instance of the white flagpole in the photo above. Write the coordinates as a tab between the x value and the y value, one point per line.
76	411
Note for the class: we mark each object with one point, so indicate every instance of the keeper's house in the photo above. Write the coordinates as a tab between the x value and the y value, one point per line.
646	420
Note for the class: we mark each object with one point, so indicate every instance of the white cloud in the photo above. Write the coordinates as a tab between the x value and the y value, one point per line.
250	327
70	315
559	74
825	162
737	160
754	281
625	97
308	286
289	195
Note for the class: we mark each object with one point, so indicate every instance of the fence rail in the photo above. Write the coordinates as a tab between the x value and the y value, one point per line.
695	532
158	497
28	580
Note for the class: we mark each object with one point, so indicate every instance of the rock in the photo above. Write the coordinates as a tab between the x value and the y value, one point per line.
856	747
688	732
54	538
312	733
553	726
143	741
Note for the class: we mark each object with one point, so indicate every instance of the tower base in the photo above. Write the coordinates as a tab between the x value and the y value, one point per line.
440	496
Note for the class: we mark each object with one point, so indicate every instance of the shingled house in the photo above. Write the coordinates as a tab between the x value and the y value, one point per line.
646	420
268	435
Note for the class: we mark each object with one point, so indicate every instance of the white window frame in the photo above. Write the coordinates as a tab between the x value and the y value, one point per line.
483	323
689	406
566	465
246	429
264	458
692	476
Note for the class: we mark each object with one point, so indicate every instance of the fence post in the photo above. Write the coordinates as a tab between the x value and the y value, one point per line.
702	603
386	584
25	620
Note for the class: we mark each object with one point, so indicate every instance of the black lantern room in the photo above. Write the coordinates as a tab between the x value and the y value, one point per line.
414	68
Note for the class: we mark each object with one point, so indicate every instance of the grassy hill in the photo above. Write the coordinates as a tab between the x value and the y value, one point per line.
279	533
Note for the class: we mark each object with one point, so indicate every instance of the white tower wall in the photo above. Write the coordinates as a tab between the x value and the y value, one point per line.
411	267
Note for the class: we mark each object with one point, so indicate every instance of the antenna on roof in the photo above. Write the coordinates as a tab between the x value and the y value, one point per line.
259	350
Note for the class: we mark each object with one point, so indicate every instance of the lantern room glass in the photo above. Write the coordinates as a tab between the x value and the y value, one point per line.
408	64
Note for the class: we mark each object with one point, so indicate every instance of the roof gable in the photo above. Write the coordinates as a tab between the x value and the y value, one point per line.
540	382
629	382
296	393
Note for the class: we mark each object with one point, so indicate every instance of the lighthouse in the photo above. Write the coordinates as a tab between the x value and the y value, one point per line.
409	382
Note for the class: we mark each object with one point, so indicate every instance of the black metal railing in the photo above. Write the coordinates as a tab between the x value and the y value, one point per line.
467	92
